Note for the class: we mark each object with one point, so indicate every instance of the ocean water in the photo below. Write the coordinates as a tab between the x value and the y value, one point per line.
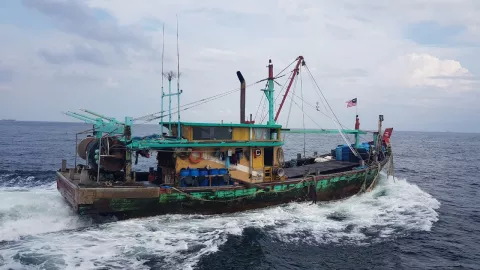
427	217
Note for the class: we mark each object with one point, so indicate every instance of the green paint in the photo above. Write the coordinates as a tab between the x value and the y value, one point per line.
124	204
157	144
200	124
324	131
101	124
271	102
222	195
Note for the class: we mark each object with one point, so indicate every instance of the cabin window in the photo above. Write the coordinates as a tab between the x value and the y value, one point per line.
261	133
212	133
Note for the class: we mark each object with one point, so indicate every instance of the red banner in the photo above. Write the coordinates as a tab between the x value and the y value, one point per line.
386	134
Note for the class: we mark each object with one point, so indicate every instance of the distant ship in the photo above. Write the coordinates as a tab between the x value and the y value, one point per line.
7	120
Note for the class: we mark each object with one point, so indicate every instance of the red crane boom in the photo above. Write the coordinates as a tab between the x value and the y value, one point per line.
295	72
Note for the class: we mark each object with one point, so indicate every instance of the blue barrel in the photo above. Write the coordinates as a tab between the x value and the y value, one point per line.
194	172
213	171
338	153
184	172
203	172
205	183
222	171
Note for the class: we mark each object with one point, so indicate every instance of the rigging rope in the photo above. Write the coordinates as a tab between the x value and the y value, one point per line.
303	115
340	129
153	116
258	108
290	108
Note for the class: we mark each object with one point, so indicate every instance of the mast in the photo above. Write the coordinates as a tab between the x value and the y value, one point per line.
170	102
171	75
295	73
178	86
163	93
269	93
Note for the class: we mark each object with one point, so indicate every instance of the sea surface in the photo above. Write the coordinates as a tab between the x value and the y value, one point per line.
426	217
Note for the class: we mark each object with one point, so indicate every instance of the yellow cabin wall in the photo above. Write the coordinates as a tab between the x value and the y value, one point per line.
257	161
187	133
241	134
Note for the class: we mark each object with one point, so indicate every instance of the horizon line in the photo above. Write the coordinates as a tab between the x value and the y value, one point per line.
79	122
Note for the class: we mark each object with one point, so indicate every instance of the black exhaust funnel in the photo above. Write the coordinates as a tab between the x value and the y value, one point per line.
242	97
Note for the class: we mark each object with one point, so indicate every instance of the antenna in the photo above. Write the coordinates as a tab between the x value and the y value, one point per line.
178	85
163	52
178	61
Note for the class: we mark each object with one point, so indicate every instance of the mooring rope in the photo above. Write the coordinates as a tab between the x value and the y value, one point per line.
207	200
243	197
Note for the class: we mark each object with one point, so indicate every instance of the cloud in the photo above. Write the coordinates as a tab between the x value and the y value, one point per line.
77	52
112	49
427	70
76	17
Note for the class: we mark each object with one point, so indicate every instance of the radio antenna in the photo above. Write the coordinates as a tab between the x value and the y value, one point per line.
163	52
178	85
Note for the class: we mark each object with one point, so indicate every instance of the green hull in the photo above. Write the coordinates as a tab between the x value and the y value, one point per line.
216	200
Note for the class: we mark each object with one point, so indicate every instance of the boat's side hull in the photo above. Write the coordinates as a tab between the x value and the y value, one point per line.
211	200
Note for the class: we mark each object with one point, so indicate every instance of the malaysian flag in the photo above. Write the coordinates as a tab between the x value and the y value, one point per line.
352	103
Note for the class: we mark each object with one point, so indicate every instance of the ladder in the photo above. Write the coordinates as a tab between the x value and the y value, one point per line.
267	174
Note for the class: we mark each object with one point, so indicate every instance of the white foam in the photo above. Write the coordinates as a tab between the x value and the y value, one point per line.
33	211
178	241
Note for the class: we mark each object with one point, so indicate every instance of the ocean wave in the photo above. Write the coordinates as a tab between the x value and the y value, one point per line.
44	232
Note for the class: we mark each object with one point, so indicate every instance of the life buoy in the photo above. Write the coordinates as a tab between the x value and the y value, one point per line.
198	159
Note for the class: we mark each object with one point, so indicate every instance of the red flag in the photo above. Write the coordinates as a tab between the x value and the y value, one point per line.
386	134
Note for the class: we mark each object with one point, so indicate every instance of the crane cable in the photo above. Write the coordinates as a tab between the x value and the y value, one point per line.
153	116
340	129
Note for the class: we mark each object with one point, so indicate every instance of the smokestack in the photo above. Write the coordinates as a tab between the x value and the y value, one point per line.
242	97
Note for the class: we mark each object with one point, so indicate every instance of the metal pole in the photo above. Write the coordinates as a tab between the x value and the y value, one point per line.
163	50
178	113
99	159
75	152
161	116
170	106
380	120
269	93
178	85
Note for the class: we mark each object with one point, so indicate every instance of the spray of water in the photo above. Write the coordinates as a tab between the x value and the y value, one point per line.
41	230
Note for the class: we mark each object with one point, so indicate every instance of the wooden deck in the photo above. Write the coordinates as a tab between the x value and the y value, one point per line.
326	167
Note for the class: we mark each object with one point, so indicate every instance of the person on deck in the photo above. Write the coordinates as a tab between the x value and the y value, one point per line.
357	123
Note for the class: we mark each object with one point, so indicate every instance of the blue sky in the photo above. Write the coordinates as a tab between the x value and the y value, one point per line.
413	61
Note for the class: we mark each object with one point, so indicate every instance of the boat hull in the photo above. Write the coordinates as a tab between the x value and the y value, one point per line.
127	202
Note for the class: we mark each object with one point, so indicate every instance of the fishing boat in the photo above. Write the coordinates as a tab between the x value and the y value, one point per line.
213	168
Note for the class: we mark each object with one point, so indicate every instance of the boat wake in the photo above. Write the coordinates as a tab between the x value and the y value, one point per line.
38	229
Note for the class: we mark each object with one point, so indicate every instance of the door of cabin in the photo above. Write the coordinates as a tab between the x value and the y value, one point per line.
268	157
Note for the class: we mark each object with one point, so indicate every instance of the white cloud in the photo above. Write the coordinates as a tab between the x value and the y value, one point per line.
353	48
425	70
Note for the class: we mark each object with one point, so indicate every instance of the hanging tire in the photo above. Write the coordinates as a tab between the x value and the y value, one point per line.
280	157
193	159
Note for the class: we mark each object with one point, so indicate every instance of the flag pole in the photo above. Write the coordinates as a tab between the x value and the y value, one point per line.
357	137
356	108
